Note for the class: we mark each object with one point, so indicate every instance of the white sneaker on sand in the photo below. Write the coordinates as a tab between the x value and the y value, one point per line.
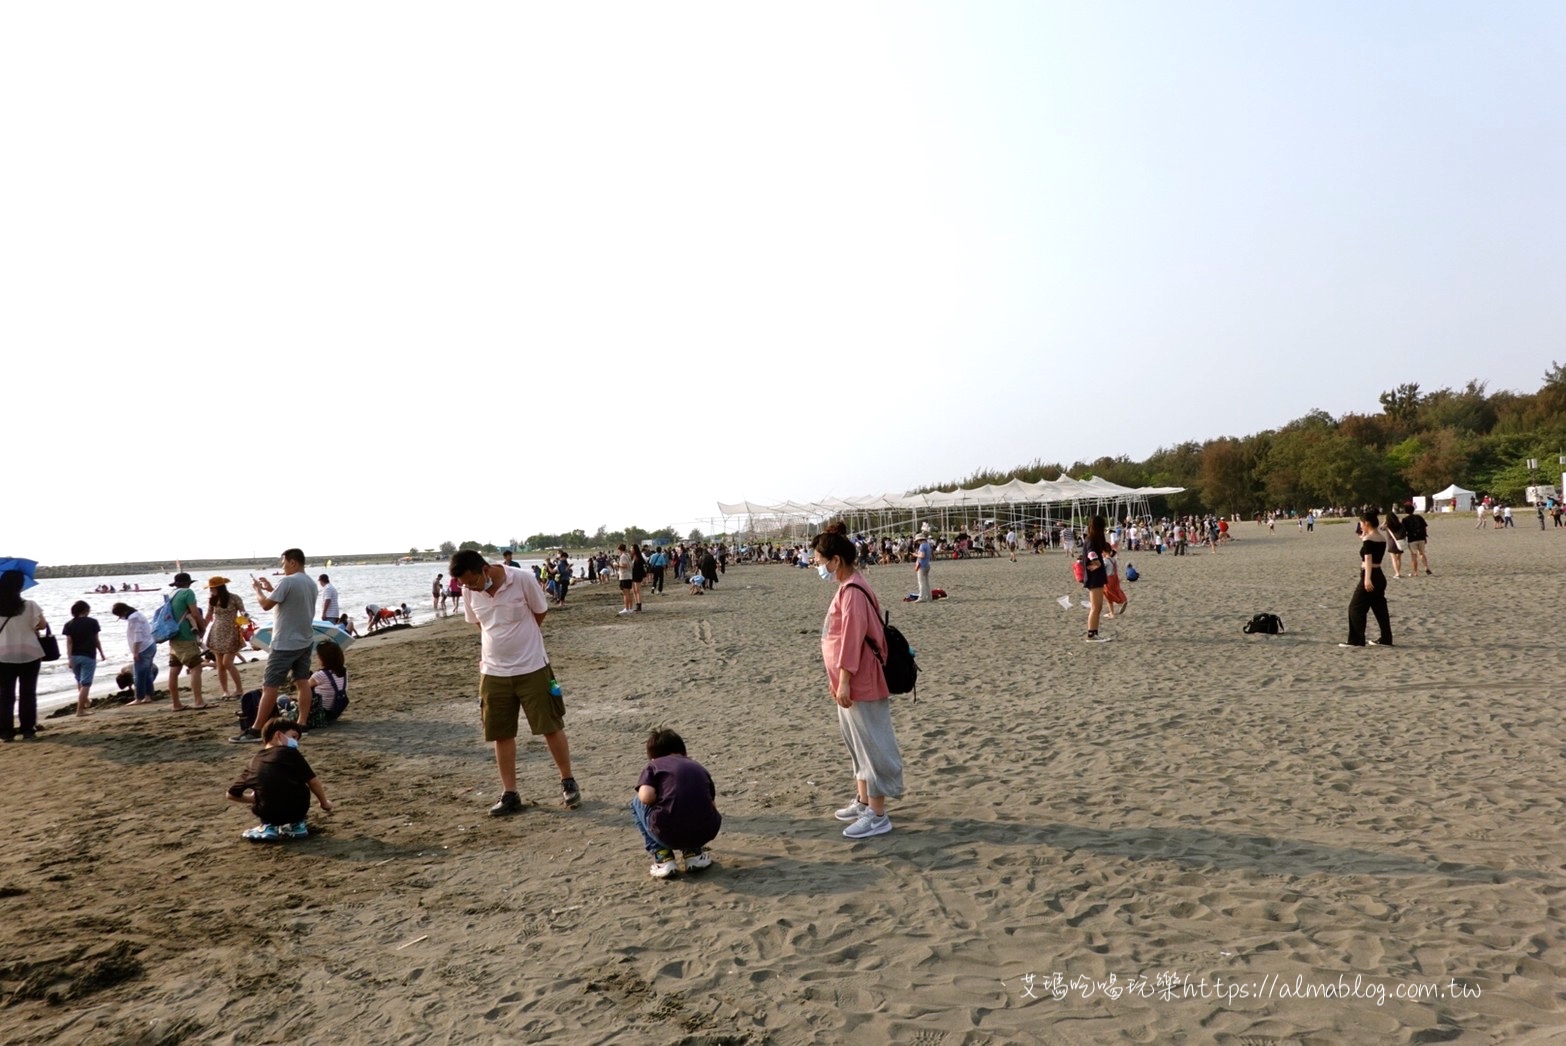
868	824
852	812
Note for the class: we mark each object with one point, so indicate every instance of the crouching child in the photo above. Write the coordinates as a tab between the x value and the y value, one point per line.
277	785
674	807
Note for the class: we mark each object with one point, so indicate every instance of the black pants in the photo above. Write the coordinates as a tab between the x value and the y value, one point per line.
657	584
24	677
1372	602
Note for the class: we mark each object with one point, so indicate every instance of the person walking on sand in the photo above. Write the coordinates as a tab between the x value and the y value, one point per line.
293	634
185	647
85	651
1417	531
1370	594
514	673
438	594
225	638
853	645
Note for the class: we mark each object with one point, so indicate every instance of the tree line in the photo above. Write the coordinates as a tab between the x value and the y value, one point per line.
1417	444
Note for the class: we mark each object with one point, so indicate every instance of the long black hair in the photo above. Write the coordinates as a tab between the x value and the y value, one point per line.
11	601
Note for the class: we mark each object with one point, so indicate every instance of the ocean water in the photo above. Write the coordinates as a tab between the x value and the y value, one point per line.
385	584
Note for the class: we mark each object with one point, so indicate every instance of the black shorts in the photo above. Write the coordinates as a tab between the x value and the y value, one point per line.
1095	579
625	583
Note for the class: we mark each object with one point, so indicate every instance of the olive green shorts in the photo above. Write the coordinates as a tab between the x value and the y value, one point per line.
506	696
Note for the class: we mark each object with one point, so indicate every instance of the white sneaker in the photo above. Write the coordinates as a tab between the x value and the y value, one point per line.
664	866
698	862
868	824
622	613
852	812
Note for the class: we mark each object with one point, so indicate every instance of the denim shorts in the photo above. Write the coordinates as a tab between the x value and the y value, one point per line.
83	668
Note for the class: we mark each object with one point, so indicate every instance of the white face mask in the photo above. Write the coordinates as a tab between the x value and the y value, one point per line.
489	582
825	572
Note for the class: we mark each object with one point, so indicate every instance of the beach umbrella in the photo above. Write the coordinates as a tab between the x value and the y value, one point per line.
28	567
322	630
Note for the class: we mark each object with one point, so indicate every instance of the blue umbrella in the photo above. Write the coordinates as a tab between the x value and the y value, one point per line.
28	567
322	630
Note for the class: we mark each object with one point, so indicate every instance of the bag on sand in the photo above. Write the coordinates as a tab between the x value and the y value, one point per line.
1264	625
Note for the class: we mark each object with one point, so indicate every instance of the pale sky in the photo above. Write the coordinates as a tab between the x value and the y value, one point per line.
361	277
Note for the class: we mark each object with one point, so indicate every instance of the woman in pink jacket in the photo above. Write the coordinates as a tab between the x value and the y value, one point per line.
853	645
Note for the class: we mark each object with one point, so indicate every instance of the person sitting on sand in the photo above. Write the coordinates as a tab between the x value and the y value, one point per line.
673	806
330	685
346	624
277	785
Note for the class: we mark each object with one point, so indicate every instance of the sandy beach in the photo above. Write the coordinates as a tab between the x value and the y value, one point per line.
1219	823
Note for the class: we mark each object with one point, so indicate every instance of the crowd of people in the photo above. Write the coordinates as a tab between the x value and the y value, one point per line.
674	803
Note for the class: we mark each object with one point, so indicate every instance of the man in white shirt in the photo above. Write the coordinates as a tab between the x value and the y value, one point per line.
330	608
144	652
514	673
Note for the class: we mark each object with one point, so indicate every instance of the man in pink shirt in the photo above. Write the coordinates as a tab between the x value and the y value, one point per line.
514	673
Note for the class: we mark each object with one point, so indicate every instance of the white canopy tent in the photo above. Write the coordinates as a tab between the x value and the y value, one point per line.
1041	504
1454	499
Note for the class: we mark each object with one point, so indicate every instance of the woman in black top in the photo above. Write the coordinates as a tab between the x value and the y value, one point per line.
1095	546
1370	595
1395	542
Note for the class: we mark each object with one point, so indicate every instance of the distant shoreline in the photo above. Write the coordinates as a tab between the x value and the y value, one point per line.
167	566
265	564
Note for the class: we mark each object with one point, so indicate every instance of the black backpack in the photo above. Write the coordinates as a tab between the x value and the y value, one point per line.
1264	625
897	663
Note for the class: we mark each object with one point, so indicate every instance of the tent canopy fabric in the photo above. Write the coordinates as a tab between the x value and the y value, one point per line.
1043	492
1454	491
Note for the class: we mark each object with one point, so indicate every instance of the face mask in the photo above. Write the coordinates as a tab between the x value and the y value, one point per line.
292	742
489	582
825	572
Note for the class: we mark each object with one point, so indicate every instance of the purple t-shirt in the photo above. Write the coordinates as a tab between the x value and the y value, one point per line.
683	816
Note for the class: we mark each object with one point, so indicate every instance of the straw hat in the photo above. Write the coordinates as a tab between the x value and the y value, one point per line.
216	582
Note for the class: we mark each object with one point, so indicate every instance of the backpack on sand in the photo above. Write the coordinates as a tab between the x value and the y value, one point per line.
1264	625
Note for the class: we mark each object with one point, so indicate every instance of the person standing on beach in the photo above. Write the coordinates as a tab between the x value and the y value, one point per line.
562	578
81	636
514	673
708	564
1370	595
1095	554
438	594
330	608
622	567
144	652
21	656
185	647
293	634
924	555
857	684
1417	531
225	639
